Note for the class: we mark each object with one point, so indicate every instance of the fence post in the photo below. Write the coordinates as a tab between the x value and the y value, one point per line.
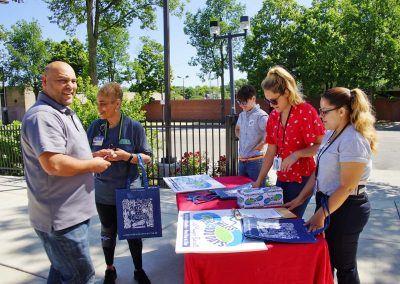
231	145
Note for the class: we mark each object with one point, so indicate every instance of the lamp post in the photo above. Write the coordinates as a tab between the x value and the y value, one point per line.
3	111
230	121
215	31
183	84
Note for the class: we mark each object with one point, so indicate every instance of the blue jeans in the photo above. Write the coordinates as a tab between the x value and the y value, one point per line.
251	169
68	252
291	190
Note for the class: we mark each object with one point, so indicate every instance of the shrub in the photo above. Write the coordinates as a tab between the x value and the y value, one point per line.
220	166
194	163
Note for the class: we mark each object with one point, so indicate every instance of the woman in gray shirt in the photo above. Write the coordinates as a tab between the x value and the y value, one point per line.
343	167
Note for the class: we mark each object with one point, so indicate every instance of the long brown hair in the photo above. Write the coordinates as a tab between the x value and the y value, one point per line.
360	109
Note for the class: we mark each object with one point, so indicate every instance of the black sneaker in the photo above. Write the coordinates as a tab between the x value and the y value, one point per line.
110	277
141	277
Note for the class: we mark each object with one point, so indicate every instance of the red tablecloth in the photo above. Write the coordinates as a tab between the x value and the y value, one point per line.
281	263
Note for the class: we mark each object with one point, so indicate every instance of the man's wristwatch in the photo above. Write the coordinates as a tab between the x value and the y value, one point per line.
130	158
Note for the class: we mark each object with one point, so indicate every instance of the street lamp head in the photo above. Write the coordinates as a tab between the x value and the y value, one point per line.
4	1
245	23
214	28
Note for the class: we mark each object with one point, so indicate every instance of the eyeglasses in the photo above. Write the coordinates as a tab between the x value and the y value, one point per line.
243	103
273	102
324	112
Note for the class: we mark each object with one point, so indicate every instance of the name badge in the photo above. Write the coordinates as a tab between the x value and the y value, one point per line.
125	142
98	141
277	163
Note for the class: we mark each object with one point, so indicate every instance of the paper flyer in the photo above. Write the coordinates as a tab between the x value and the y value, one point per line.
192	183
212	231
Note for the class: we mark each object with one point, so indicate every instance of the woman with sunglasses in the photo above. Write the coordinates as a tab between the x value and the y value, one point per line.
118	139
343	167
294	133
250	129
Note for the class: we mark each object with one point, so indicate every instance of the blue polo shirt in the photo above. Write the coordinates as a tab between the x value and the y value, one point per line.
129	136
54	202
252	125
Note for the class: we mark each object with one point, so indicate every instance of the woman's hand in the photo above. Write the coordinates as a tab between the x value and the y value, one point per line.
288	162
106	154
294	203
315	222
119	155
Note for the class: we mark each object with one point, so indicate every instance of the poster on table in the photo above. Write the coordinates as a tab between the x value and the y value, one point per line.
192	183
212	231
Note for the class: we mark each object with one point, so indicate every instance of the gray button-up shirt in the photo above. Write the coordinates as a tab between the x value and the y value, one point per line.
54	202
252	125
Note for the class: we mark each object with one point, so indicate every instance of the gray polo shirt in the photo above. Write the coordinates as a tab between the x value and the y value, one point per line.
350	146
54	202
252	125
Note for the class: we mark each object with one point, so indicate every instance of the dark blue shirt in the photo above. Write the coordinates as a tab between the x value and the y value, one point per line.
131	137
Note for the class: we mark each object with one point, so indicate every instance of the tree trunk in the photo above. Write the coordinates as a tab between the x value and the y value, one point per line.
92	41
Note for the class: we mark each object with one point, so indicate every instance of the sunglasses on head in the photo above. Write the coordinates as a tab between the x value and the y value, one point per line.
273	101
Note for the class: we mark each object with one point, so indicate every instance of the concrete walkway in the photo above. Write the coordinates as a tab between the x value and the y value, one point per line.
22	258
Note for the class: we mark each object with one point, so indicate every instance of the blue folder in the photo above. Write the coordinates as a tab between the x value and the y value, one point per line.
282	231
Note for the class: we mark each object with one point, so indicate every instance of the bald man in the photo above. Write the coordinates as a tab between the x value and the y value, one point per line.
59	169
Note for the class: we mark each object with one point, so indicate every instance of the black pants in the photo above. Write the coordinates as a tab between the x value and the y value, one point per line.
347	223
108	219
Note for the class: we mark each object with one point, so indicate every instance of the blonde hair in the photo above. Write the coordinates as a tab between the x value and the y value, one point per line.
360	109
111	90
278	80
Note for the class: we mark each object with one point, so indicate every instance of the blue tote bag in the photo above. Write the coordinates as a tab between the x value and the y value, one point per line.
138	210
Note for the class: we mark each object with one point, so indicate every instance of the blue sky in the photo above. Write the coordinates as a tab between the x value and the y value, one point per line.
181	51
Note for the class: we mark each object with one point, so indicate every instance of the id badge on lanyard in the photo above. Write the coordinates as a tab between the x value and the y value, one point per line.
277	163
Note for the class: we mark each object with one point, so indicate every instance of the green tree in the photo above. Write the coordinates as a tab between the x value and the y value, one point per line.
148	67
211	55
113	57
73	52
372	44
273	40
102	15
320	47
27	55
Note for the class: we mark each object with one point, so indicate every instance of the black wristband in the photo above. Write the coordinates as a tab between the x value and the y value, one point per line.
130	158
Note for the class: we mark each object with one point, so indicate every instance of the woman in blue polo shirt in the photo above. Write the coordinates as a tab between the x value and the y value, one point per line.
119	139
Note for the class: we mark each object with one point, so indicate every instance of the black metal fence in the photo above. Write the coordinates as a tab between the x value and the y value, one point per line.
197	147
11	162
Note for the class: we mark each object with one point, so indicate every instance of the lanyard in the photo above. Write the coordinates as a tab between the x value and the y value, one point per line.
326	147
284	131
121	122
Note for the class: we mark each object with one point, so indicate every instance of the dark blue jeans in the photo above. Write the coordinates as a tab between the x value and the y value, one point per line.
291	190
343	233
68	252
251	169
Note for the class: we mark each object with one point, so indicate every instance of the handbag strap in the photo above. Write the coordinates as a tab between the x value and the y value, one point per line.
327	215
144	174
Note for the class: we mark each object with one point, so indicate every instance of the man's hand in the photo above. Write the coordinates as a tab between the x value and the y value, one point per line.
99	165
